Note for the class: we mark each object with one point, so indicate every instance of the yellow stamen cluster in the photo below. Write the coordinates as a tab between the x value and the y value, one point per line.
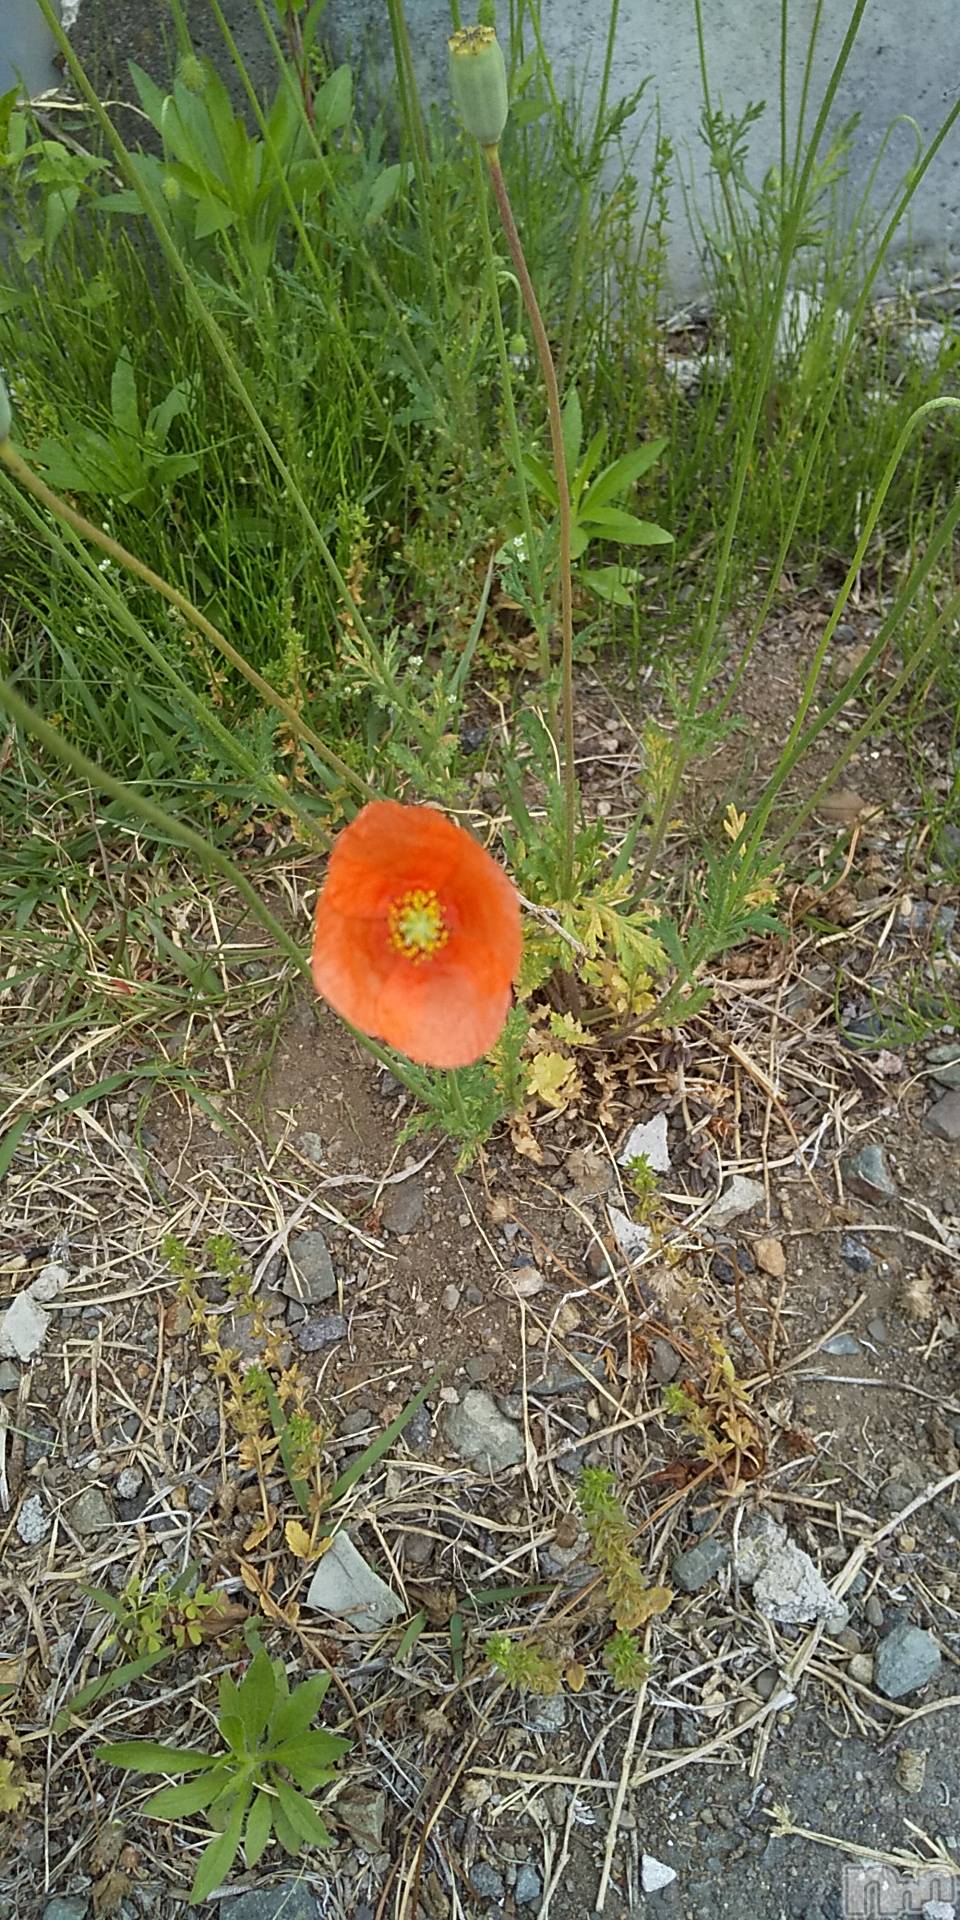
416	925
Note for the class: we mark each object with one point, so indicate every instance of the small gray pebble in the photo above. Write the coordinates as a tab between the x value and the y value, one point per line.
896	1494
766	1682
129	1482
873	1612
199	1497
311	1278
528	1886
545	1713
486	1881
841	1344
40	1443
70	1909
419	1430
699	1565
359	1421
907	1658
480	1366
855	1254
322	1331
9	1376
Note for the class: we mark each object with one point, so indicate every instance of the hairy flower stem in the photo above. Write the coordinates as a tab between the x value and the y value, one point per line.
547	368
20	471
516	449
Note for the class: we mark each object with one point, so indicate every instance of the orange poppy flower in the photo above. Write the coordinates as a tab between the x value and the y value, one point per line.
417	935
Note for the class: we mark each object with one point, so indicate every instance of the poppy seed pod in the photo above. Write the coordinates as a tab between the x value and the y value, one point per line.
478	82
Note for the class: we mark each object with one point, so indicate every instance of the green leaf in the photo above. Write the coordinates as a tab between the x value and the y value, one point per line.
259	1821
233	1731
383	192
256	1697
150	96
10	1141
293	1715
148	1756
611	523
310	1751
211	217
378	1447
572	430
610	583
541	476
409	1637
124	405
286	1834
333	103
105	1684
587	464
623	474
217	1859
178	1803
303	1818
161	418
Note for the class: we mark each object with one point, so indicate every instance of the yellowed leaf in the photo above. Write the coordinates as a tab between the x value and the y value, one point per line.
553	1079
575	1676
258	1534
299	1540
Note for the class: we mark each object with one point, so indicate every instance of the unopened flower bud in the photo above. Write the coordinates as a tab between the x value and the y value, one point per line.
5	415
478	82
192	73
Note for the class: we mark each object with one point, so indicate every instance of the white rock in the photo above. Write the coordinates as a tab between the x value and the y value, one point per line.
786	1584
632	1239
925	343
939	1910
799	313
654	1874
49	1282
23	1328
527	1282
343	1584
650	1139
33	1521
738	1197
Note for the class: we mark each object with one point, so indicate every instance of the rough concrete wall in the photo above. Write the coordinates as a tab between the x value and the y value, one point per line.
906	61
26	48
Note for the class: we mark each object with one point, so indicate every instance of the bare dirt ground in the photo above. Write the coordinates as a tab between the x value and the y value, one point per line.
505	1287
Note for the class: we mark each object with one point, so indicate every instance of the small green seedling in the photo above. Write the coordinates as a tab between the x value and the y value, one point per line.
130	461
593	512
259	1785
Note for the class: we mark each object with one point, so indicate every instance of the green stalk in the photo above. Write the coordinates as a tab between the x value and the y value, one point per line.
549	372
792	225
358	257
32	484
355	359
210	326
798	742
416	134
163	823
814	437
516	446
80	563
